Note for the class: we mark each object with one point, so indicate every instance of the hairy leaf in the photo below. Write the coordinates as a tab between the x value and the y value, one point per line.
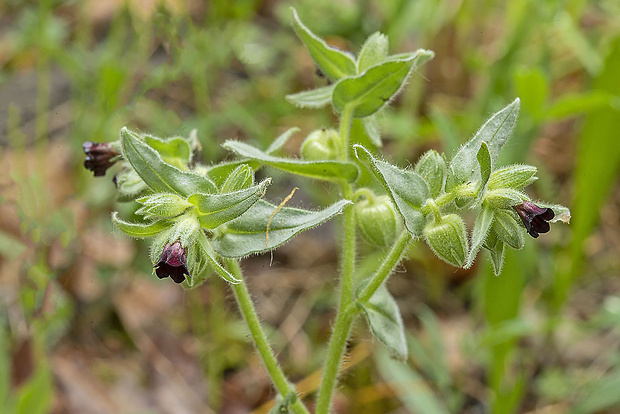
248	233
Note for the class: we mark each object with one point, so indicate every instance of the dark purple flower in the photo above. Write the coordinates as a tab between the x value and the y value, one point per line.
99	156
534	218
173	263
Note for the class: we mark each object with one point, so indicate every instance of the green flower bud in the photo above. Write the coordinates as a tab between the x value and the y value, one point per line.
507	228
158	206
448	239
513	176
432	167
320	145
504	198
377	221
240	178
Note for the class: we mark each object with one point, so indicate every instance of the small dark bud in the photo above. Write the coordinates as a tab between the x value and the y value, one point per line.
535	218
99	156
173	263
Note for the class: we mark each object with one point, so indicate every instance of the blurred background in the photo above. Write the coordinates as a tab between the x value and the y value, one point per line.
86	328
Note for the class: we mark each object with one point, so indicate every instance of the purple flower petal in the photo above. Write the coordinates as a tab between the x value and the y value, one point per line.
173	263
534	218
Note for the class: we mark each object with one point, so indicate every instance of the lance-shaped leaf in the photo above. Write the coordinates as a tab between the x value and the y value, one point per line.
322	170
373	89
175	151
221	172
248	234
334	63
495	132
140	230
486	167
482	225
374	51
407	188
207	250
156	173
385	321
279	142
217	209
314	98
496	247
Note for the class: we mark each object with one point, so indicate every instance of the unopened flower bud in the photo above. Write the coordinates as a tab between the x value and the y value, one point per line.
503	198
534	218
162	206
432	167
240	178
513	176
320	145
99	156
448	239
377	221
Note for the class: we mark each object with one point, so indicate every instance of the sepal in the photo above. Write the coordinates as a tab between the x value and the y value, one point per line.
157	206
140	230
448	239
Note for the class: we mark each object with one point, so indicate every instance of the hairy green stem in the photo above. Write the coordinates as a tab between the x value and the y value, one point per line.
342	325
280	382
344	319
346	120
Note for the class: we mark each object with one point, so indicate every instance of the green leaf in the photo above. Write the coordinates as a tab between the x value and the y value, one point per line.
333	62
158	206
208	252
495	132
496	247
279	142
322	170
374	51
373	89
314	98
140	230
175	151
407	188
371	127
482	225
248	234
484	159
240	178
485	163
157	174
217	209
385	321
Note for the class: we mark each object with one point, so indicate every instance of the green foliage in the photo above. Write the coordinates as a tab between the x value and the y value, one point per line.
217	209
265	227
376	87
385	322
322	170
160	176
